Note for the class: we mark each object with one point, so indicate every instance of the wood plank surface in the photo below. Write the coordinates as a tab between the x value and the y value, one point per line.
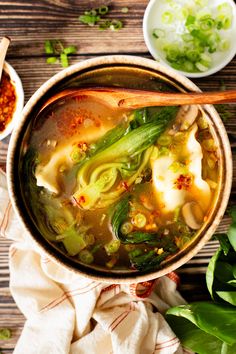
29	24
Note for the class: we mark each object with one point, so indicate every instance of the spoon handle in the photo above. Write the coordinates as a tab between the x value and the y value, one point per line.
3	50
152	98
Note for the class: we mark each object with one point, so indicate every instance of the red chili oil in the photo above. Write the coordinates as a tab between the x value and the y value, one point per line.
7	101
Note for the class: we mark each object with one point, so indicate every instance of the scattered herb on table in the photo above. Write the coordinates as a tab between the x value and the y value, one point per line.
210	326
58	52
96	17
5	333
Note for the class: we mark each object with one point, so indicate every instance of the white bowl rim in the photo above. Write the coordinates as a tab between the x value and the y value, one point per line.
153	52
16	81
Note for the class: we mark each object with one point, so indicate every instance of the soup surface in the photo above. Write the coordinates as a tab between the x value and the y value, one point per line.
117	189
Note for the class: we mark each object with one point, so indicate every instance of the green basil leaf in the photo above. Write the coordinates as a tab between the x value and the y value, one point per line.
232	213
234	270
227	349
224	242
194	338
223	271
218	320
211	272
232	235
229	296
232	282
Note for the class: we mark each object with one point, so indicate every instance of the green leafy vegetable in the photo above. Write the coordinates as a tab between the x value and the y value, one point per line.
139	259
216	319
57	51
73	241
86	257
123	152
210	327
148	260
194	338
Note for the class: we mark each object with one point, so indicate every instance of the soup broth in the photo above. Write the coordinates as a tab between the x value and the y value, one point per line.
120	189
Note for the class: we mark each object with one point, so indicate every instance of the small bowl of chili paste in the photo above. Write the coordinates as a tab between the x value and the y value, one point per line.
11	100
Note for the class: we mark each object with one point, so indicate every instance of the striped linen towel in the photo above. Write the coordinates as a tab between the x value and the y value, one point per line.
66	313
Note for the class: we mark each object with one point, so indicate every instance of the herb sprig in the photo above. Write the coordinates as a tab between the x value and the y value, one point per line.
58	52
95	17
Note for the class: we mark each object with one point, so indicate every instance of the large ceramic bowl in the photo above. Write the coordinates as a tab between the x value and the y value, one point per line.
116	71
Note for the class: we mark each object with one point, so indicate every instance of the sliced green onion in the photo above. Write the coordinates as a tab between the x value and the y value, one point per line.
89	19
190	20
200	36
89	239
167	17
125	10
187	37
164	140
103	10
223	22
158	33
5	333
139	220
176	214
116	25
206	22
86	257
224	45
201	67
112	247
126	228
104	25
224	8
77	154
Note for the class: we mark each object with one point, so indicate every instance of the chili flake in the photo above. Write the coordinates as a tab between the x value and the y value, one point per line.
7	101
183	182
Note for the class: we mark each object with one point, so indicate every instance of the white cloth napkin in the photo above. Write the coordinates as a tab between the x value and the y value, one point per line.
66	313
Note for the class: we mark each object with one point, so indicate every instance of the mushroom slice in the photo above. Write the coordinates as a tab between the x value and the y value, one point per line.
193	215
186	116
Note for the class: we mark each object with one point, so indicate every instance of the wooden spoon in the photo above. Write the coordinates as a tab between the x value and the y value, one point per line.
130	99
3	51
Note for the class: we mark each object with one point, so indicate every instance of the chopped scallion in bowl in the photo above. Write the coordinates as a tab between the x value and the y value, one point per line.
195	37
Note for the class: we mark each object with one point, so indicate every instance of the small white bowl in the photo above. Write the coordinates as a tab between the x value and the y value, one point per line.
15	80
152	20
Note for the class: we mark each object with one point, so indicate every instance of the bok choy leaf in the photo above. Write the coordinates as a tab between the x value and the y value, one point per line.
123	152
145	260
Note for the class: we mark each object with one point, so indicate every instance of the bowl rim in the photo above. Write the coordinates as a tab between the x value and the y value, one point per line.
146	64
16	81
154	52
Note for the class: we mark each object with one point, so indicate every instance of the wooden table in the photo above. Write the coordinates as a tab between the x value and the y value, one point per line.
29	24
